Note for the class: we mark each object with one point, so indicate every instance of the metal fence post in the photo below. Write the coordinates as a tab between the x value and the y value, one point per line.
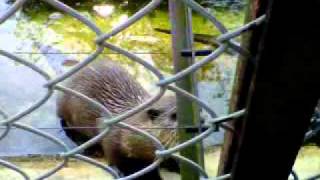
187	112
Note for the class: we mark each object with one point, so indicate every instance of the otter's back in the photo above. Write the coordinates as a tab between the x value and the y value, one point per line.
106	82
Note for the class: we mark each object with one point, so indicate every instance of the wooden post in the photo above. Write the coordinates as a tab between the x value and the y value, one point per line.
243	78
187	112
283	93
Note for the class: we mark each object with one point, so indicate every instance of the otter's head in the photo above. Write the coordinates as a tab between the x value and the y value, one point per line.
159	120
162	119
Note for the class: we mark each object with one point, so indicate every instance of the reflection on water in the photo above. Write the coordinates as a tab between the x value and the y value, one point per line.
48	38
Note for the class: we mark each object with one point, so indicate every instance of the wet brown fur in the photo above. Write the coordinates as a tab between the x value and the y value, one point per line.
109	84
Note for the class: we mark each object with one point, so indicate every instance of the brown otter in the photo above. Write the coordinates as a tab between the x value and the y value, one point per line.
109	84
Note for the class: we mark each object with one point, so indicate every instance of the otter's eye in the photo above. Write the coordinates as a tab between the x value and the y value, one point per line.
153	113
173	116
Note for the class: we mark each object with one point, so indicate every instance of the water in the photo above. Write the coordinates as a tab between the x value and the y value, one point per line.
61	37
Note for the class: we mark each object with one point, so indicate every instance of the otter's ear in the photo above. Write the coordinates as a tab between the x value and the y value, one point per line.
153	113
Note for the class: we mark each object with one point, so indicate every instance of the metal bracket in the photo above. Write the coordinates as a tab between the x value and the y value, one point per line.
189	53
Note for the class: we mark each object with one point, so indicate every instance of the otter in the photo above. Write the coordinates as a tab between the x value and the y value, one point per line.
108	83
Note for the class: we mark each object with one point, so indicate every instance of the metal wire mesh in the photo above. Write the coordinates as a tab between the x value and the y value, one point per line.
225	40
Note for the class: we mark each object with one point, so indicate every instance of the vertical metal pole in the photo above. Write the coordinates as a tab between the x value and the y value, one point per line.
187	112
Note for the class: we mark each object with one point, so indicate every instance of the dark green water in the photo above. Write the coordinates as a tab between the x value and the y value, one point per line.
47	37
71	36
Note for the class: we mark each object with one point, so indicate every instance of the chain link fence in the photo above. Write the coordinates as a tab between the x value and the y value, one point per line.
225	41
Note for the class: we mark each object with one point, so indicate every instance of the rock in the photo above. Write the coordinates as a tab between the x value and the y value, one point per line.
104	10
55	16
